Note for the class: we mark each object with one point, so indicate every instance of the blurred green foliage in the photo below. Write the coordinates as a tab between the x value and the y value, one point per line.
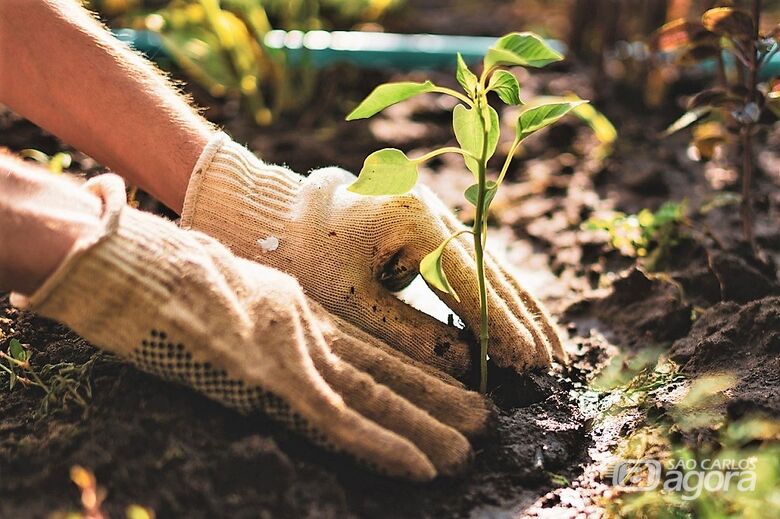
219	43
55	163
647	234
753	440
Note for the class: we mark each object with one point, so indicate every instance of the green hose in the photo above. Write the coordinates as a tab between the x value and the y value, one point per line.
377	50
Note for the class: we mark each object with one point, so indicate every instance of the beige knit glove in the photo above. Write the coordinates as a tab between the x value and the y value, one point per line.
179	305
344	248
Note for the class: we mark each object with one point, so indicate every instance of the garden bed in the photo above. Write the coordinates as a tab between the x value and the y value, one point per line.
713	308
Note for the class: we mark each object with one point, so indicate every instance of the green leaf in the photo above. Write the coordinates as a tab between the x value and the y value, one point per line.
16	350
473	190
466	77
197	51
727	21
432	270
687	119
539	116
506	86
387	95
468	131
386	172
59	162
521	48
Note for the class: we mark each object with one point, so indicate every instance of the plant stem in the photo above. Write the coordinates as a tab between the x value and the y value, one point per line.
441	151
746	207
721	70
453	93
479	227
507	161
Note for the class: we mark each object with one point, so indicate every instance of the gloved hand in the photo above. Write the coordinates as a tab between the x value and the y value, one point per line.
179	305
344	247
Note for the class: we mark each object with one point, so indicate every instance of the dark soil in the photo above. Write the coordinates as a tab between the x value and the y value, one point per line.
714	304
165	447
753	330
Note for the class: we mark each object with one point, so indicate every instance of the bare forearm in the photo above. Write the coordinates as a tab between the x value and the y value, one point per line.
41	216
61	69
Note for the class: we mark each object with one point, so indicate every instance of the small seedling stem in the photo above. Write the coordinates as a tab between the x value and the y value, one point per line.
746	207
479	241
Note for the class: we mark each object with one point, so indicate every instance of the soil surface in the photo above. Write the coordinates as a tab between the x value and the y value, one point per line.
714	307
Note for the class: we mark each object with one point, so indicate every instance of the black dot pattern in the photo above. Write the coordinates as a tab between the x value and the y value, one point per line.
160	355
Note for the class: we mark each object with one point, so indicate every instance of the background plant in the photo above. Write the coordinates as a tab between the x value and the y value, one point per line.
219	43
476	126
734	106
698	428
649	235
62	384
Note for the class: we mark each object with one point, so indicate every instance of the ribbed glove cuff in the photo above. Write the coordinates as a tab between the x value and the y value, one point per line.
237	198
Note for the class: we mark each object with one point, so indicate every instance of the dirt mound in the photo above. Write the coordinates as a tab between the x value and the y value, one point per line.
638	311
744	341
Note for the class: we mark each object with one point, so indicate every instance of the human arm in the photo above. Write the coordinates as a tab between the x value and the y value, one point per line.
60	68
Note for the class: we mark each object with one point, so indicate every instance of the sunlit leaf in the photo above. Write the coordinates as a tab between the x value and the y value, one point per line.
386	172
773	102
521	48
197	51
16	350
598	122
679	34
728	21
720	200
472	193
432	270
138	512
712	97
687	119
465	77
537	117
59	162
387	95
83	478
707	137
468	130
506	86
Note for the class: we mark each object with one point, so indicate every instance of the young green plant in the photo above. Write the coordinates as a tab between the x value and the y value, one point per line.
734	106
476	126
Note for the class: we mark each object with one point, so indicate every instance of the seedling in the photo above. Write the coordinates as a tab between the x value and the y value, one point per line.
476	126
93	496
62	383
647	235
734	106
56	163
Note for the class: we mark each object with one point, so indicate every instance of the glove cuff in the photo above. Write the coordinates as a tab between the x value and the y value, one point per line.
106	275
237	198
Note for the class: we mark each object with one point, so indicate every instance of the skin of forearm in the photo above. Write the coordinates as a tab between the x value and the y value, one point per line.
41	217
65	72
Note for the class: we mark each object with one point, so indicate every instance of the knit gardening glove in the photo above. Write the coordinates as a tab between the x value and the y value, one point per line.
179	305
344	248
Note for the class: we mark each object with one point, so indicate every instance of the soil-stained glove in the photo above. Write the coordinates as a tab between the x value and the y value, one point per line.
180	305
344	248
